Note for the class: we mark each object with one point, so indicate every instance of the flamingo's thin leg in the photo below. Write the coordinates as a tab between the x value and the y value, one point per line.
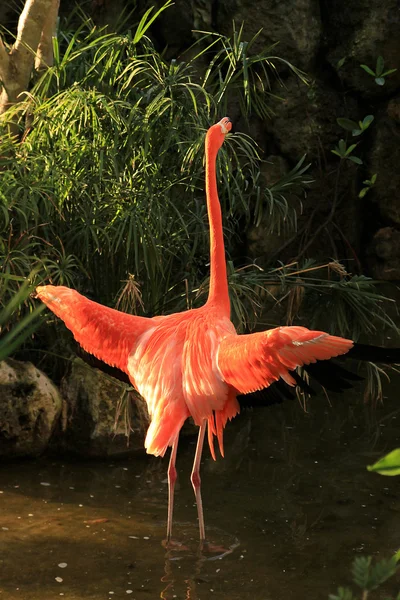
195	478
172	477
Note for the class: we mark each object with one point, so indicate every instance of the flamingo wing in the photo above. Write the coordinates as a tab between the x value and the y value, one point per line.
252	362
104	332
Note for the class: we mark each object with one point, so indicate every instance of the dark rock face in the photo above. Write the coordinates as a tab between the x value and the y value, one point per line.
384	254
360	31
385	161
92	402
30	406
294	24
305	123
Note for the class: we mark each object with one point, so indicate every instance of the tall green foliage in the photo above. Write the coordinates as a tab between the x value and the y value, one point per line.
107	177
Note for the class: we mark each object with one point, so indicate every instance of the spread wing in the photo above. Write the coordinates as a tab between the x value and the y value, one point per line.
104	332
253	362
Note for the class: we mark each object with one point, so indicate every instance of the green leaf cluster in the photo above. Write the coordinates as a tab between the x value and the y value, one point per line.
107	177
345	152
379	73
368	184
368	576
13	336
356	128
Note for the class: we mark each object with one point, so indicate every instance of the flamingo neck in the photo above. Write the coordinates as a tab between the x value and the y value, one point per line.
218	294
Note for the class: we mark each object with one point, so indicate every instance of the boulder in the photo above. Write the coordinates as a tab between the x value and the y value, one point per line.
358	32
385	160
305	122
100	415
294	24
30	407
384	254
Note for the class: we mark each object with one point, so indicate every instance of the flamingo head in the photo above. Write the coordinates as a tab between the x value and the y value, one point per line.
216	134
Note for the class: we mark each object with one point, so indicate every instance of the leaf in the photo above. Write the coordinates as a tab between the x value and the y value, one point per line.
342	147
347	124
363	192
355	159
380	81
342	594
361	569
13	337
373	178
146	22
380	63
397	555
368	70
388	465
367	121
382	571
350	149
357	132
389	72
341	62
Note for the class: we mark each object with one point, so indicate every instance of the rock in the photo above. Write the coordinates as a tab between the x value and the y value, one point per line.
91	402
263	240
305	122
173	28
30	406
294	24
385	161
359	31
384	254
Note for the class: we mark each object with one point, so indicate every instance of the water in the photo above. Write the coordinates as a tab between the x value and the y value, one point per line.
286	512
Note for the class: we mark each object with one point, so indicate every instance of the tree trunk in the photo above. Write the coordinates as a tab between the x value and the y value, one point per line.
32	48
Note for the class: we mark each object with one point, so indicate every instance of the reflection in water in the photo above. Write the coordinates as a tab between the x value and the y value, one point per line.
293	489
174	573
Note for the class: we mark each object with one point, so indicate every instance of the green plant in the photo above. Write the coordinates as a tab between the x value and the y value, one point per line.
379	74
368	575
355	128
387	465
108	177
13	335
345	152
247	74
368	183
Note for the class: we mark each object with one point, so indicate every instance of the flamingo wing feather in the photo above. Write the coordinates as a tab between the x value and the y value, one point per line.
255	361
104	332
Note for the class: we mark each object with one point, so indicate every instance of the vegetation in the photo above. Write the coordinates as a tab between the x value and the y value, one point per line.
13	338
368	576
379	74
102	188
388	464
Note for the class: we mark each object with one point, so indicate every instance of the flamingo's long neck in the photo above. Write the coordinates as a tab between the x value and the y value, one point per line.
218	292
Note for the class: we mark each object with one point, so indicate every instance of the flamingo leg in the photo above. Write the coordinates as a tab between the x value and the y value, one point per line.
195	478
172	477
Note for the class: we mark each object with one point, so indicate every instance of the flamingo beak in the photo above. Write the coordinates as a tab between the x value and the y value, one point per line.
226	125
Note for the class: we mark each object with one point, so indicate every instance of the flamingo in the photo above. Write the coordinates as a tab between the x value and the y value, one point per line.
192	363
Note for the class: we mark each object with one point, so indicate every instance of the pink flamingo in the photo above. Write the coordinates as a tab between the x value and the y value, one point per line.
193	363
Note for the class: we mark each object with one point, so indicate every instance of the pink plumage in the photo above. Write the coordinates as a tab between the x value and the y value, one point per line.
191	363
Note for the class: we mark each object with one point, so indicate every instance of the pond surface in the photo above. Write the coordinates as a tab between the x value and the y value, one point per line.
286	512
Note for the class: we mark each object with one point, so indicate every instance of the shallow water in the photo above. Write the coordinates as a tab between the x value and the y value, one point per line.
286	512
